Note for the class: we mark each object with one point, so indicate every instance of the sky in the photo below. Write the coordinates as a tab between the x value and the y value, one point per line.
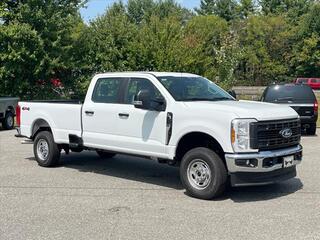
95	8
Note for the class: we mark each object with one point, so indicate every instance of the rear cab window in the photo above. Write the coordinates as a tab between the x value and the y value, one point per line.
289	93
108	90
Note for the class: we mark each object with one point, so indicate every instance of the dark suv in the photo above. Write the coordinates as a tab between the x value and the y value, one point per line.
300	97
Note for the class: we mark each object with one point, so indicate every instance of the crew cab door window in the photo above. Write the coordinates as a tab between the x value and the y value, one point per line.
107	90
138	84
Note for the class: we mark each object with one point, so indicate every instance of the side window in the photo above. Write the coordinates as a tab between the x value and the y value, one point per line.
138	84
107	90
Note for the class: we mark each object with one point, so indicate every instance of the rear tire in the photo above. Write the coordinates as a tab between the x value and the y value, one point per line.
46	151
203	173
312	130
105	155
8	121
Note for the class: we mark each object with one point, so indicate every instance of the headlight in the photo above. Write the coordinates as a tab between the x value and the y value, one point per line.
240	135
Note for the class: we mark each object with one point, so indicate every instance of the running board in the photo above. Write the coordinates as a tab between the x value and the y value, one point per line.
27	141
75	141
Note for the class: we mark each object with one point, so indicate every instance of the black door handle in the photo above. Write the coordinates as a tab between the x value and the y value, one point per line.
89	112
123	115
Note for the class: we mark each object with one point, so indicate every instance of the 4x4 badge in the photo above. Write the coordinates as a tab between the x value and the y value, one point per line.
286	133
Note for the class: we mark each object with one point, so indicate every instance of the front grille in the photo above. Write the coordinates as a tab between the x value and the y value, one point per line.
266	135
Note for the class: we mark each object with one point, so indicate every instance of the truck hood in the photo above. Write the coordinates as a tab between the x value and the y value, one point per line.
246	109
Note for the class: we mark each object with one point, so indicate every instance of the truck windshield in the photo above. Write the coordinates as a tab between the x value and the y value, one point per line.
193	89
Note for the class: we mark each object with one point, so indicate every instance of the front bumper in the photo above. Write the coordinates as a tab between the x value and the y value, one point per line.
263	167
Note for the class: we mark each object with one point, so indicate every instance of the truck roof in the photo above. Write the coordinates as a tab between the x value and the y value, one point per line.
157	74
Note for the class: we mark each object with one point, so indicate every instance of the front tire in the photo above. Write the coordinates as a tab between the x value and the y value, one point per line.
8	121
203	173
46	151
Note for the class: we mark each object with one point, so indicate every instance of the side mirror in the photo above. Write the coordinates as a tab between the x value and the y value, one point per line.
233	93
142	100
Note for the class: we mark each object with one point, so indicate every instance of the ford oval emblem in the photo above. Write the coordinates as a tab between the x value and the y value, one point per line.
286	133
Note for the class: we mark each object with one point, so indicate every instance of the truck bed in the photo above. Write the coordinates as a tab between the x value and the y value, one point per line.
63	116
58	101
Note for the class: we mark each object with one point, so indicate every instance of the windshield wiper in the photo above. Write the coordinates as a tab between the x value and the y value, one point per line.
197	99
206	99
284	99
222	98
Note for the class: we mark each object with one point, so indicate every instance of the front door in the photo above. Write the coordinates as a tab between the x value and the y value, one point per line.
142	131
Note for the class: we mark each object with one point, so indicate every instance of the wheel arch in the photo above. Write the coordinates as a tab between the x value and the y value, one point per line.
39	125
198	139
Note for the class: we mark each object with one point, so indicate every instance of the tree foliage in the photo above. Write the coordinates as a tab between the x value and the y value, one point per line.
36	44
230	42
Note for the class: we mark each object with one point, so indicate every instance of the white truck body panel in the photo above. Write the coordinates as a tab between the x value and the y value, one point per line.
64	119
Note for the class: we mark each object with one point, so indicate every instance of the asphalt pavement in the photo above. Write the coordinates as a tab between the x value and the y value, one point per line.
133	198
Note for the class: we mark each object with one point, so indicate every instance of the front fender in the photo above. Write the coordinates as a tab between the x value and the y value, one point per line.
218	134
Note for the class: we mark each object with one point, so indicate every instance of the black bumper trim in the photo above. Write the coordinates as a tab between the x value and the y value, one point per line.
262	178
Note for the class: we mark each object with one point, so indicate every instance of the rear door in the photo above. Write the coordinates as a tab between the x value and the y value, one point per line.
100	114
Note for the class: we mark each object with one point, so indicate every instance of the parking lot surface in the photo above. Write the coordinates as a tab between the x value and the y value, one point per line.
133	198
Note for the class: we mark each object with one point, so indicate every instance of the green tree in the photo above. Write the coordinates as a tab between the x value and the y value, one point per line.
143	10
306	53
103	45
158	46
51	25
246	8
293	8
21	59
266	50
206	7
226	9
214	49
139	10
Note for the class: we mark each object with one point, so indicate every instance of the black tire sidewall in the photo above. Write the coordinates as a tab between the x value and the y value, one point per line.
312	130
54	152
5	121
218	173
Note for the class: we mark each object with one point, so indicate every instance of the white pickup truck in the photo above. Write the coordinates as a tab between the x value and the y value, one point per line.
7	111
176	118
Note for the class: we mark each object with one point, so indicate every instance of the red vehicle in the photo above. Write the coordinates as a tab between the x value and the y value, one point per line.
314	83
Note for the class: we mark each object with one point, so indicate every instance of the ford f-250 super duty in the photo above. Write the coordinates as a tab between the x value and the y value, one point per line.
176	118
